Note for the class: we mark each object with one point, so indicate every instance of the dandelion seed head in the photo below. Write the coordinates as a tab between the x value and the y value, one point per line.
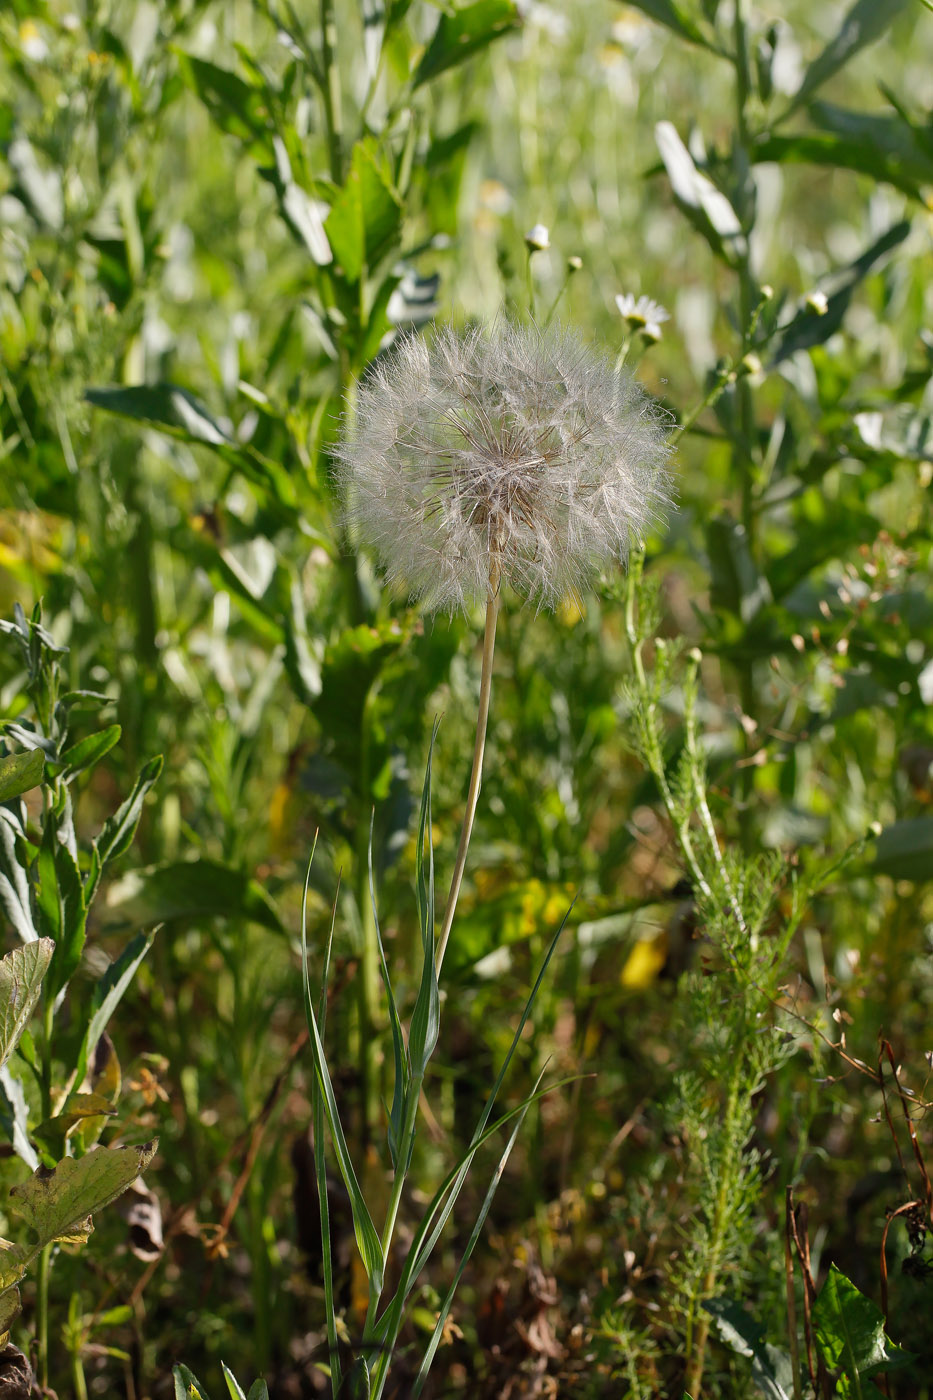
506	452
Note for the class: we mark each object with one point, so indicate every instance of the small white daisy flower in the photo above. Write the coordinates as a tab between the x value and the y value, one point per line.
643	314
538	238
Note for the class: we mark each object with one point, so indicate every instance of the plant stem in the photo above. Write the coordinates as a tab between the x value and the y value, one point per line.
77	1376
333	116
42	1317
404	1156
367	980
485	693
698	1327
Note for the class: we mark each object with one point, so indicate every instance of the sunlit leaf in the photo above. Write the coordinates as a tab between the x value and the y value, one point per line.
464	32
21	974
87	752
677	18
772	1370
366	214
57	1204
188	889
865	22
706	206
848	1329
19	773
808	327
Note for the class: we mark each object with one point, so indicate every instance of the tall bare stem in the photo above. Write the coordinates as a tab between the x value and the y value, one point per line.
476	774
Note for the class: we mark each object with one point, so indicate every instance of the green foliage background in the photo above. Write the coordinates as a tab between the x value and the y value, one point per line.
197	259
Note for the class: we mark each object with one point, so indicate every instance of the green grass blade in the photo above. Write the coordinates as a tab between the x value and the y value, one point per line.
320	1164
470	1246
366	1238
425	1020
494	1092
233	1385
399	1051
386	1330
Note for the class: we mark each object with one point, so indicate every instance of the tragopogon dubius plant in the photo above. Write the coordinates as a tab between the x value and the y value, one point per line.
506	454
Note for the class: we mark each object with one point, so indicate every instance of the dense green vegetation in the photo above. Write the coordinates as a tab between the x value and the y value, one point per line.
213	218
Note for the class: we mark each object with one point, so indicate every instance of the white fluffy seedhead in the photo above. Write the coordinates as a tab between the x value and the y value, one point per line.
504	451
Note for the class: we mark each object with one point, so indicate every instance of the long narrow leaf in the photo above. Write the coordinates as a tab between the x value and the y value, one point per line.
320	1165
386	1330
470	1246
399	1050
493	1094
366	1238
107	996
425	1019
865	22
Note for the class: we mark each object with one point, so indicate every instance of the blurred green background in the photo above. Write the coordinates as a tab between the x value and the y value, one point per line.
202	246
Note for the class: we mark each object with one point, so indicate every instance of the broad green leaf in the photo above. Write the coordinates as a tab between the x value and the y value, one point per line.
676	18
57	1204
19	773
883	145
772	1370
848	1329
107	996
190	889
168	407
187	1386
462	33
367	1240
865	22
705	206
258	1391
173	410
808	328
366	214
54	1131
61	906
736	583
21	974
118	831
905	850
87	751
238	108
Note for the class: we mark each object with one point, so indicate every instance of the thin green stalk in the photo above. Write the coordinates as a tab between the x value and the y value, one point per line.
476	774
698	1320
745	447
333	116
367	982
42	1317
404	1156
77	1376
45	1256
